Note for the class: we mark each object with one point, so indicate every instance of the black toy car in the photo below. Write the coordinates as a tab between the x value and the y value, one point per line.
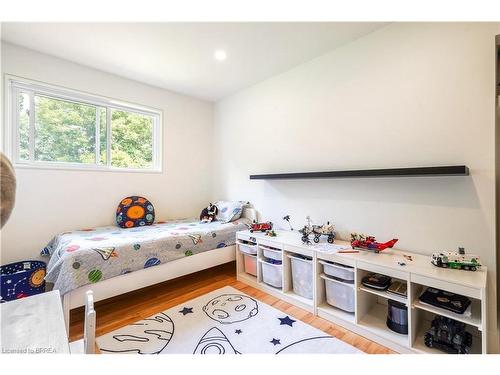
448	335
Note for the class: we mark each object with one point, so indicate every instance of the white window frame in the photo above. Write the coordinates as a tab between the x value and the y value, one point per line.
14	85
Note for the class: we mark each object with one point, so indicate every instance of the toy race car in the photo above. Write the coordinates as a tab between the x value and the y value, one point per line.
262	227
448	335
359	241
458	260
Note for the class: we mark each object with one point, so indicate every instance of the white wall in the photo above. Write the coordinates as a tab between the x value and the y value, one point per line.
51	201
406	95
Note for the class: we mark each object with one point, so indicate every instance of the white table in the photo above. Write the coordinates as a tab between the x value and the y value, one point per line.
34	325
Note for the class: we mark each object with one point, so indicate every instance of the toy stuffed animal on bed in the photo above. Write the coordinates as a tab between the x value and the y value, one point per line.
209	213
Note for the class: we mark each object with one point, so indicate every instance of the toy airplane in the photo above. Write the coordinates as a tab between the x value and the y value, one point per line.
359	241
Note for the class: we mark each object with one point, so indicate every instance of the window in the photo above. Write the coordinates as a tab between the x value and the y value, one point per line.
61	128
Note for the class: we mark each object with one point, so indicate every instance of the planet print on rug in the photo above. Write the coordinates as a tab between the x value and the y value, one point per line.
135	211
231	308
235	331
148	336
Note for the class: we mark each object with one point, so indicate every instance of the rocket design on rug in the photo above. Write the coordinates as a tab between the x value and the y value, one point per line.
214	342
231	308
148	336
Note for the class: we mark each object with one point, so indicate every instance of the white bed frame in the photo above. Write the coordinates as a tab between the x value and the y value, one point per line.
149	276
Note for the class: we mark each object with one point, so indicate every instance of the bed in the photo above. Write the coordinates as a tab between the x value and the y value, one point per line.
112	261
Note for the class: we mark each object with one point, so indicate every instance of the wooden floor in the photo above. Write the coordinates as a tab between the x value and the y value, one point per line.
122	310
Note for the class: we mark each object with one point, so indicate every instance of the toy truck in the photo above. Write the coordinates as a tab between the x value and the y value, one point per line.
459	260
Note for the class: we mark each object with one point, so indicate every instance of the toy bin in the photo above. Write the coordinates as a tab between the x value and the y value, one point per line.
22	279
302	276
250	264
272	253
247	247
272	274
338	271
339	294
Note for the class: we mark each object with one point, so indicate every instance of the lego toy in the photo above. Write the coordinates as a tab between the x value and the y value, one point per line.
359	241
271	233
448	335
287	219
324	230
262	227
317	231
459	260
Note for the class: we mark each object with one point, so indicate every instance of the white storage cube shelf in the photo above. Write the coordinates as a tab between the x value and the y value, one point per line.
330	286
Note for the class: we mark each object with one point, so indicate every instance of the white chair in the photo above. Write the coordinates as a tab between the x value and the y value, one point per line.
87	345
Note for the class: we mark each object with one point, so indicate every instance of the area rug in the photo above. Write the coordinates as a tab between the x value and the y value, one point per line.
224	321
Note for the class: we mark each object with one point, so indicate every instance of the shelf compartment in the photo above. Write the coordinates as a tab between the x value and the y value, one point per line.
326	311
422	348
305	301
385	294
271	274
247	248
473	320
375	322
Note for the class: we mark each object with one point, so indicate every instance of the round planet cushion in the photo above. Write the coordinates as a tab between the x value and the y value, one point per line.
135	211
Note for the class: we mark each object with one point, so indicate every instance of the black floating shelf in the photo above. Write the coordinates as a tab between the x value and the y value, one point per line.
453	170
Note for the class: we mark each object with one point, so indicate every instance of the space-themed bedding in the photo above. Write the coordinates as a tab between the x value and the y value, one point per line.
87	256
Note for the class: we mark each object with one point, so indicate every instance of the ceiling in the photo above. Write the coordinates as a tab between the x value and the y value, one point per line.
180	56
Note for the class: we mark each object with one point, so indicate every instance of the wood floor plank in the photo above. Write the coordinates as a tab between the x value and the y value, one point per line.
123	310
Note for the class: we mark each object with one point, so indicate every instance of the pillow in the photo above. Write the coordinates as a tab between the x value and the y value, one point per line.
229	210
135	211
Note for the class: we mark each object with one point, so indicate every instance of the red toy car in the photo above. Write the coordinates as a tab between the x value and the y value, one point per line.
370	243
263	227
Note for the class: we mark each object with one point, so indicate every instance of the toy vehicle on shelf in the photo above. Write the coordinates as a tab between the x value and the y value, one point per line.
306	232
459	260
359	241
262	227
324	230
317	231
448	335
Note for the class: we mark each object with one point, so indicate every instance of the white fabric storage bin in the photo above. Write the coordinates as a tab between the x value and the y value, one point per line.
250	264
338	271
247	248
272	274
302	276
339	294
272	253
